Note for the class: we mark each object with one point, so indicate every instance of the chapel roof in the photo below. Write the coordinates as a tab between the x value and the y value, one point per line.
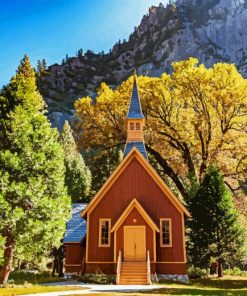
77	226
139	145
135	110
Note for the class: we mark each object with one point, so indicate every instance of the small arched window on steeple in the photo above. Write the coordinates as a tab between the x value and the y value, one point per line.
138	126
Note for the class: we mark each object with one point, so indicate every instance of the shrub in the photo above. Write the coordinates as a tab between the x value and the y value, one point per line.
235	272
98	278
196	272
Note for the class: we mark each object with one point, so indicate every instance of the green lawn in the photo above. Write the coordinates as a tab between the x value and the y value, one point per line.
34	289
27	283
21	278
228	286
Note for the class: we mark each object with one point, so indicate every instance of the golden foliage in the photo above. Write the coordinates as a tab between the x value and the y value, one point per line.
194	117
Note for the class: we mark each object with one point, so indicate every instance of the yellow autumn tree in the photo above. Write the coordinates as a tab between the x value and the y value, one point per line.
194	117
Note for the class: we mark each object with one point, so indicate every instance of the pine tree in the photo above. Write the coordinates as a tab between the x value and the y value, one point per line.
214	228
80	53
34	205
21	90
41	67
77	175
44	64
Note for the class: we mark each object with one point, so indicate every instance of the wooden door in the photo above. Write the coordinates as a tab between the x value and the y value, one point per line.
134	243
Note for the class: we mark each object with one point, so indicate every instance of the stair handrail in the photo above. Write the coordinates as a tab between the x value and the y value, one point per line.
148	268
119	262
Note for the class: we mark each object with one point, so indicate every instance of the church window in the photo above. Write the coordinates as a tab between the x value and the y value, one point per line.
132	126
165	232
104	232
138	126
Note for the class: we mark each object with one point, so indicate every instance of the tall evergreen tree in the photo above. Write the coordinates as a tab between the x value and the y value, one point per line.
34	205
21	90
41	66
214	228
77	175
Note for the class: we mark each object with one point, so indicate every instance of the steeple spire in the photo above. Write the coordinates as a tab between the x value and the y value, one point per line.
135	122
135	110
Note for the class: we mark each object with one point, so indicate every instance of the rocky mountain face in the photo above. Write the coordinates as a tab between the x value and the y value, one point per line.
211	30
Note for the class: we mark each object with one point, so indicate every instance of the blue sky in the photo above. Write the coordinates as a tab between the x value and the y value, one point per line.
51	28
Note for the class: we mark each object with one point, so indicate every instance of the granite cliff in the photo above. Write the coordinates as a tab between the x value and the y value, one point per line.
211	30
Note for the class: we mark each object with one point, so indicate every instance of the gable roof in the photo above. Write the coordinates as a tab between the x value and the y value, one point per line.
131	206
135	110
139	145
76	226
134	153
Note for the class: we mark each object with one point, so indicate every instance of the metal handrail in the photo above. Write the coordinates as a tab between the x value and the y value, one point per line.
119	262
148	269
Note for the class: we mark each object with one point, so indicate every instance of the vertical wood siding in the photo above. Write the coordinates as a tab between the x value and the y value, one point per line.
73	256
135	182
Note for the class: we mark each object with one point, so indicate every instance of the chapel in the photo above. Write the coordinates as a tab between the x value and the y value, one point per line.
134	225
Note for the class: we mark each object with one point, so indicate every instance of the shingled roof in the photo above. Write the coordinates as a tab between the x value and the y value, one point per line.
139	145
135	110
76	227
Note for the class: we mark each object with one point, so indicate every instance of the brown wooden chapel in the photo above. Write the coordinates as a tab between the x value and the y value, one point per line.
135	224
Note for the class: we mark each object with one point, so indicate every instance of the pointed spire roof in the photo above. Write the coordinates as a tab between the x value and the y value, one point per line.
135	137
135	110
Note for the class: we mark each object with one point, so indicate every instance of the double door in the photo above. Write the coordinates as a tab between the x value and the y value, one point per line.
134	243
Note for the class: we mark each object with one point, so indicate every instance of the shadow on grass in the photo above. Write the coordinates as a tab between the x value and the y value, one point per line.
222	283
232	286
196	292
22	277
168	291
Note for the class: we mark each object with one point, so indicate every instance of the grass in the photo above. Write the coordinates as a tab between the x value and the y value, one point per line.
21	282
21	278
228	286
34	289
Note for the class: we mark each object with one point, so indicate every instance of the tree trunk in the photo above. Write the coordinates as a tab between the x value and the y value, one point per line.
169	171
220	267
6	268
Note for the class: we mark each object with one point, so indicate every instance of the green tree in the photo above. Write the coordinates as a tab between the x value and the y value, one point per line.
34	205
102	163
41	66
214	228
77	176
21	90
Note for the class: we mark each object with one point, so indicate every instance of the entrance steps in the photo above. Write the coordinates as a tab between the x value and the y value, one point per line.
133	273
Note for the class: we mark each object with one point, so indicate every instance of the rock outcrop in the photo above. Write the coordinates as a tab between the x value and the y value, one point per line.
212	30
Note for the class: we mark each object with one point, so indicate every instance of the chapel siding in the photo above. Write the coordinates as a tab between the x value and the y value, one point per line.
135	182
